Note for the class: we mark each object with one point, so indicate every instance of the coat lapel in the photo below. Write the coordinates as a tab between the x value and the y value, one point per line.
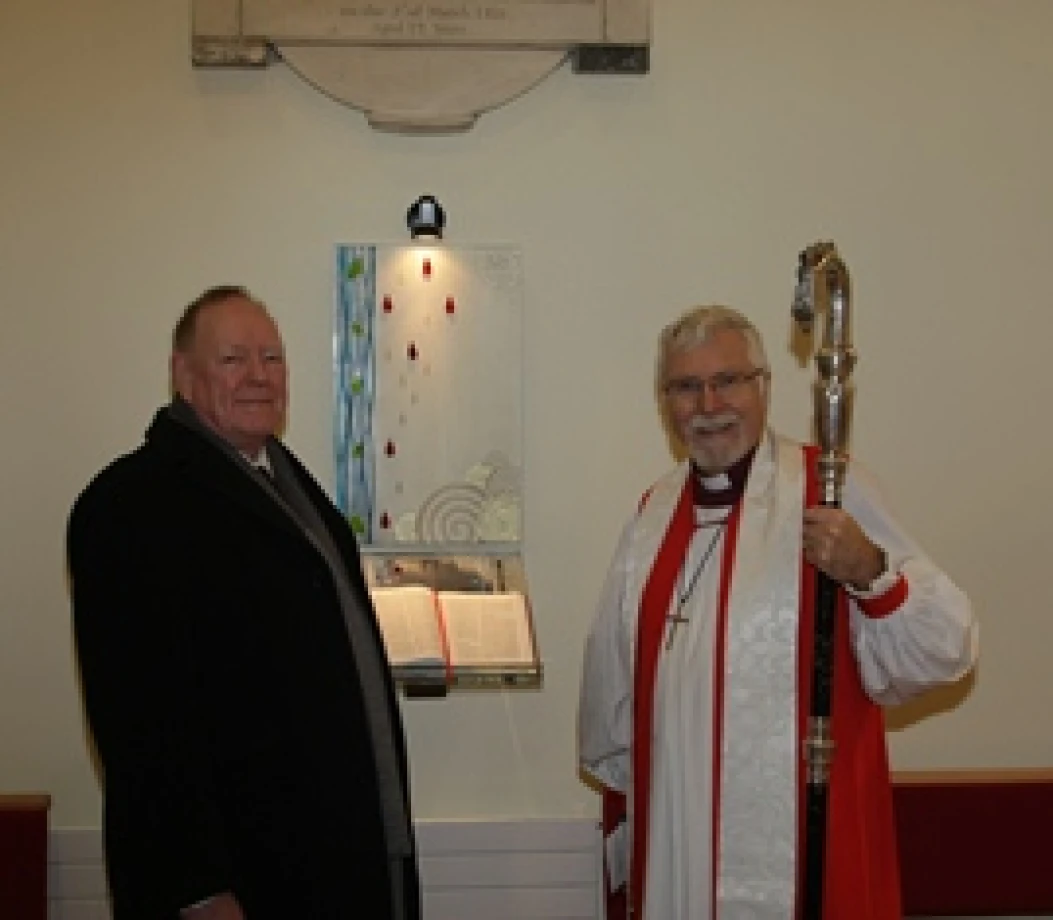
217	469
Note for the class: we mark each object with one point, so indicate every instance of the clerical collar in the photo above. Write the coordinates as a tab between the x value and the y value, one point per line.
718	490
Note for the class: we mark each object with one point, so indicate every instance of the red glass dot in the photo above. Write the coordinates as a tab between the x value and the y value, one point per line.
411	352
389	448
450	305
425	268
387	304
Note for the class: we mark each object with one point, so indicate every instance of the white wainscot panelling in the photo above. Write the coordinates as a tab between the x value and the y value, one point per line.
76	878
514	870
483	870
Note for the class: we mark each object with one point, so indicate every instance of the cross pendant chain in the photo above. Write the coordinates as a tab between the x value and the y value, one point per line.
677	617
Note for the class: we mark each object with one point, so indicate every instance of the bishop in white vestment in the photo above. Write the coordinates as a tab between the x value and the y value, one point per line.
697	669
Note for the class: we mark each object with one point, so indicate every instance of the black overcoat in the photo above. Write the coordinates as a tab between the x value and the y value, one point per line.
222	693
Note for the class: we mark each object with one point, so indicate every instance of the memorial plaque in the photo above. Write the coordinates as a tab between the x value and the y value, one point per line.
426	66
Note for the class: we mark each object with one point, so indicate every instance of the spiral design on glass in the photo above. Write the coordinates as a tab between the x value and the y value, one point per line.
451	514
504	480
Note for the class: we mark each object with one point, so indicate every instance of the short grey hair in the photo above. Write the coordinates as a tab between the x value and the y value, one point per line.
698	324
186	327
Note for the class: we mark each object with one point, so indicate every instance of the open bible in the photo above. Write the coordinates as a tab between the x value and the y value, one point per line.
425	629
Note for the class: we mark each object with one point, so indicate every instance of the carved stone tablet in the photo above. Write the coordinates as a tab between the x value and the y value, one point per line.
423	65
426	21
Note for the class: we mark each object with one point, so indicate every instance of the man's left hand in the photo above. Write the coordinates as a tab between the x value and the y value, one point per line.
834	543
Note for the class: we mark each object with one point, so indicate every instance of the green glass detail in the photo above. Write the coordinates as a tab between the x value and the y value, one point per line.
358	451
357	524
357	386
357	328
355	269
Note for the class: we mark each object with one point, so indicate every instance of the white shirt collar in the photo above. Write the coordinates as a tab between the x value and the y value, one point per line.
260	461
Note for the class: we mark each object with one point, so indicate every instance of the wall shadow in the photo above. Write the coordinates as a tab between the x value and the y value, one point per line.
932	703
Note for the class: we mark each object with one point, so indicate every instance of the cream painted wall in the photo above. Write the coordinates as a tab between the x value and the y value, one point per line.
914	132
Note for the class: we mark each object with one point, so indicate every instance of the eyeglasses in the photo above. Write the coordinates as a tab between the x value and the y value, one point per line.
726	384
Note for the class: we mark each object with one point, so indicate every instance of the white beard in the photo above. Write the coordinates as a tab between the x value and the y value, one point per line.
715	456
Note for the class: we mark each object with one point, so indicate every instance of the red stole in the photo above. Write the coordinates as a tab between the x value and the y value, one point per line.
862	874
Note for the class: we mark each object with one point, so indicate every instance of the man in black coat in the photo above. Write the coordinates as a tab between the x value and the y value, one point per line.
253	761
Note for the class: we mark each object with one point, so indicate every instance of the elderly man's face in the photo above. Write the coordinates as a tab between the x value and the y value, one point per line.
234	374
716	399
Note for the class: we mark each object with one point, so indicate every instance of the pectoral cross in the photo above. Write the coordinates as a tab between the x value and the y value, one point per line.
675	619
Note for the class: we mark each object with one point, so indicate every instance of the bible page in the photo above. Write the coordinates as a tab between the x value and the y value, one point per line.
487	629
409	623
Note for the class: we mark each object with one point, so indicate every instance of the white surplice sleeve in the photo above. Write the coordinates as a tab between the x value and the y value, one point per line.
605	705
915	629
